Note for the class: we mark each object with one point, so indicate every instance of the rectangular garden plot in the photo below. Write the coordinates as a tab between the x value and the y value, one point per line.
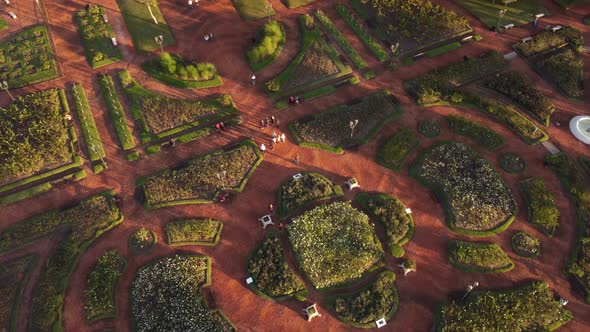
204	232
201	179
332	130
97	36
145	21
27	58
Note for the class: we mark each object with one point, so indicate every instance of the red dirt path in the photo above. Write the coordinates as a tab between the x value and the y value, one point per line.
419	292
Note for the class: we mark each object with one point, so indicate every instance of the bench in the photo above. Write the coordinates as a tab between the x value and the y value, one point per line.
556	28
538	16
508	26
114	41
527	39
13	15
105	18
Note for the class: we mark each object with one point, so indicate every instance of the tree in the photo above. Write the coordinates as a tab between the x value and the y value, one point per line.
167	63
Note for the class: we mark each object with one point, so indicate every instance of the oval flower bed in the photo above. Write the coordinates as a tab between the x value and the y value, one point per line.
478	257
477	202
334	244
526	245
142	241
298	192
361	309
391	213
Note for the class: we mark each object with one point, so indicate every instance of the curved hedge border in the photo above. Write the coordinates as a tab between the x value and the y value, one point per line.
193	223
331	299
151	67
135	247
455	247
100	292
413	170
282	210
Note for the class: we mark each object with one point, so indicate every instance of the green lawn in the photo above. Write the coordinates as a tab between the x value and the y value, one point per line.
296	3
518	13
141	26
3	24
251	10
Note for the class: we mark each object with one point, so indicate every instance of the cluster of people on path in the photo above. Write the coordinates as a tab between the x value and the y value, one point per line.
295	100
219	127
208	37
269	122
190	3
276	138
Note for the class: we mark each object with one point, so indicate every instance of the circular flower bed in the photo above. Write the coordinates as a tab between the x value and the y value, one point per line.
429	128
142	241
526	245
512	163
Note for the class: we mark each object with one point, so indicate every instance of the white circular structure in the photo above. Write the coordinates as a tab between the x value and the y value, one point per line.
580	127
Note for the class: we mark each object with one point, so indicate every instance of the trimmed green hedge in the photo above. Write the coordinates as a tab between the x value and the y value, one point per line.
350	51
27	193
397	149
206	232
487	138
294	194
89	131
363	34
541	207
272	38
116	112
478	257
443	49
100	291
154	69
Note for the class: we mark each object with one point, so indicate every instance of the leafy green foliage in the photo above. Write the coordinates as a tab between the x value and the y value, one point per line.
84	223
27	58
96	36
526	245
484	136
547	40
542	211
270	270
363	34
116	112
521	90
195	231
296	193
398	147
352	53
33	135
102	283
378	300
477	199
391	213
198	181
166	296
478	257
91	135
271	40
331	129
526	308
566	70
142	240
512	163
334	244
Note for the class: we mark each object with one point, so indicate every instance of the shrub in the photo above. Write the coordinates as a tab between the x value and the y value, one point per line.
334	244
270	270
542	211
397	148
297	193
566	71
485	137
478	257
196	231
166	296
526	245
477	201
102	284
361	309
512	163
364	35
429	128
167	63
391	213
271	41
532	306
142	241
541	42
350	51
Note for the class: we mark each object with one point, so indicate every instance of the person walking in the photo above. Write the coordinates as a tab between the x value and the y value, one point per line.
270	208
253	79
297	157
217	128
283	138
221	126
274	134
262	147
272	120
266	122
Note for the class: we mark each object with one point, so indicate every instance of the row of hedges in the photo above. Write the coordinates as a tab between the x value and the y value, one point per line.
521	90
89	131
350	51
271	40
397	149
193	232
364	35
270	271
478	257
197	182
102	284
116	112
85	222
532	306
476	200
487	138
391	213
361	309
294	194
542	211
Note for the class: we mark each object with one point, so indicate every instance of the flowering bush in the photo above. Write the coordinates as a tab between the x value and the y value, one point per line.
296	193
166	296
542	211
102	282
378	300
398	147
196	231
478	257
526	245
391	213
334	244
531	307
487	138
476	197
270	270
